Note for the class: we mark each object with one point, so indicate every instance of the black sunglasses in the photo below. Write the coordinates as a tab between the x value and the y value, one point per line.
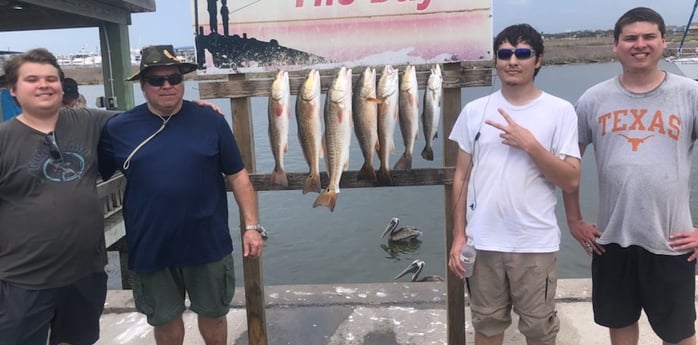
173	79
520	53
53	148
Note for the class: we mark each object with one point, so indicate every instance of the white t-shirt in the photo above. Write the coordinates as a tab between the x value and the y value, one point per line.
510	204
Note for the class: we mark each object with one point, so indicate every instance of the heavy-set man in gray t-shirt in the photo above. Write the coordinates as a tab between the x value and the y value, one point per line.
52	252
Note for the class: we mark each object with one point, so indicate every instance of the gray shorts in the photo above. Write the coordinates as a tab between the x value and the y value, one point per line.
160	295
524	281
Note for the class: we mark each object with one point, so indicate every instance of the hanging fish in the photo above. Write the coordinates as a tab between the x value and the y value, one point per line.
309	119
337	138
279	117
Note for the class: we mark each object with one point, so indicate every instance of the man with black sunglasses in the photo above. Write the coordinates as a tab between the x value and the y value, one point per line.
174	155
517	145
643	125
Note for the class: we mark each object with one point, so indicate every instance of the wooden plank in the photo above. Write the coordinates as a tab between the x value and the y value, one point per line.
401	178
454	285
254	287
466	75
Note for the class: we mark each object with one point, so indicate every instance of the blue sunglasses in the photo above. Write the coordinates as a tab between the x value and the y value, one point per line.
520	53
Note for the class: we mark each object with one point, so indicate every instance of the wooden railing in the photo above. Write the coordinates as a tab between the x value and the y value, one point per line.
240	88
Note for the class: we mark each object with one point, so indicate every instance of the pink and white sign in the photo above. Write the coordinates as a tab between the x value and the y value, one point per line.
260	35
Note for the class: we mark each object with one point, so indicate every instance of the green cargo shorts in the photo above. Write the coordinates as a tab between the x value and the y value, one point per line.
160	295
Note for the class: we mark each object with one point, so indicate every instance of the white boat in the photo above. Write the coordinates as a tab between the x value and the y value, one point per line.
688	65
686	61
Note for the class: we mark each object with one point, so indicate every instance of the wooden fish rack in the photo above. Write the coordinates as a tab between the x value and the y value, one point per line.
239	88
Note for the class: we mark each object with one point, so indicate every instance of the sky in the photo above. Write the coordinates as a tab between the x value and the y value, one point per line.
548	16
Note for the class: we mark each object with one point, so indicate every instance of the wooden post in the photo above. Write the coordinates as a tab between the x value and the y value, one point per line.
455	293
254	287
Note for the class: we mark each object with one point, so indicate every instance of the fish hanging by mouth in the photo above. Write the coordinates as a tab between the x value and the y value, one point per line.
387	94
337	137
309	120
365	113
408	116
431	112
279	117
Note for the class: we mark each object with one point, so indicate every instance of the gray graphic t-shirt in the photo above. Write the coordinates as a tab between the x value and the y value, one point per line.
51	220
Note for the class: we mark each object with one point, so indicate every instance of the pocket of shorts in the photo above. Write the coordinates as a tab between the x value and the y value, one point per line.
228	279
143	303
551	282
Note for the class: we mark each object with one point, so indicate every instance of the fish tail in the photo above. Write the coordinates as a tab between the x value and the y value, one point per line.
366	173
312	184
327	198
278	177
384	177
428	153
404	163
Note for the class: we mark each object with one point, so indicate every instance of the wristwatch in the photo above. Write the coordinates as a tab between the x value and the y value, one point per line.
259	228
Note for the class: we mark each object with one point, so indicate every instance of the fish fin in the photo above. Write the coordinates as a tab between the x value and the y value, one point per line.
278	177
384	178
327	198
312	184
404	163
428	153
366	173
373	100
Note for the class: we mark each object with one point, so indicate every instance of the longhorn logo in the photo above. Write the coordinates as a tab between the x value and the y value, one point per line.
635	142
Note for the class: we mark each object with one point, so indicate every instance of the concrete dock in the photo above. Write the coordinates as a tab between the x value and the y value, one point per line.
369	314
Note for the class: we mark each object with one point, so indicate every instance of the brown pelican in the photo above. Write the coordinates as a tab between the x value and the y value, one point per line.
405	233
415	268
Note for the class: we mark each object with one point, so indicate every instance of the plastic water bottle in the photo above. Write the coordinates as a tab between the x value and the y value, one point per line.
467	257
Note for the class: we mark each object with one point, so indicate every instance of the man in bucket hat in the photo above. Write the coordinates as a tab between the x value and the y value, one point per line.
173	153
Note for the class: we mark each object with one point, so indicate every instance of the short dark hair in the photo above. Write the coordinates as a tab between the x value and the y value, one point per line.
38	55
520	33
639	14
70	89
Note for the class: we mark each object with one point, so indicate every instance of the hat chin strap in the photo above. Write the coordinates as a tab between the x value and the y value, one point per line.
127	162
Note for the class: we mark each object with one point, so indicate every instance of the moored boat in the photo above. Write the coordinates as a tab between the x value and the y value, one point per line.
686	61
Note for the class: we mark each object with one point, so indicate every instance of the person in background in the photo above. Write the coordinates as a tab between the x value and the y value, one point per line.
8	106
643	125
52	248
71	96
174	155
516	146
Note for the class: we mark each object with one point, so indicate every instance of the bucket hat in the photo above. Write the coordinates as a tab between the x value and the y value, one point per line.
160	56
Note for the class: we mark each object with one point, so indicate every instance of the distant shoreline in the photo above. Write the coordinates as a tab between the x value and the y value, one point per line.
557	52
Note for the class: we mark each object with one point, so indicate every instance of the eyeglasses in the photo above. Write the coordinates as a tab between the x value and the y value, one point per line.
520	53
159	80
53	148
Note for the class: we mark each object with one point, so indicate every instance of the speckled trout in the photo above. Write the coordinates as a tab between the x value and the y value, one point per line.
387	94
431	113
409	116
337	138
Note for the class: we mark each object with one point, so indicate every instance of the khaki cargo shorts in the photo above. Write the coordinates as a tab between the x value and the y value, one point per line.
524	281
